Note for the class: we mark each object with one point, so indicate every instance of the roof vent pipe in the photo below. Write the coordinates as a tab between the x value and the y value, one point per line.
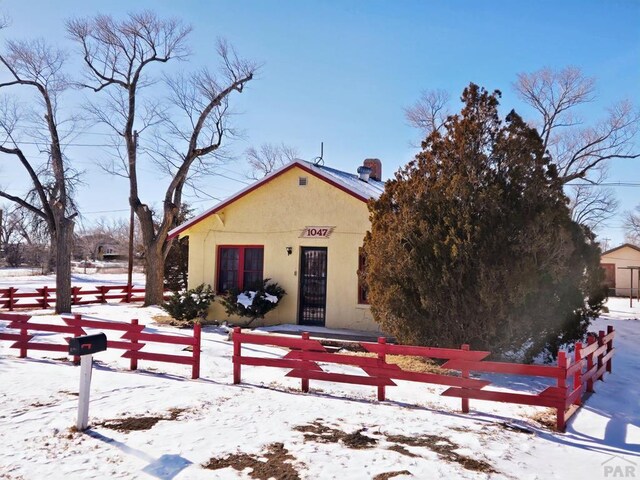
364	173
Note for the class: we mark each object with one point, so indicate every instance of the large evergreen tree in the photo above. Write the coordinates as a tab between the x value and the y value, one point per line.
473	242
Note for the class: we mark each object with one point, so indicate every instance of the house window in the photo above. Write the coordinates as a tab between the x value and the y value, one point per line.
240	267
362	288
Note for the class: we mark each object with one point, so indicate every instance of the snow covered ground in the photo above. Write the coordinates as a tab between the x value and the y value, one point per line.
336	431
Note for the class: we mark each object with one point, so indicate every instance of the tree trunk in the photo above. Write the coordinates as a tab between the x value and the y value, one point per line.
154	288
64	246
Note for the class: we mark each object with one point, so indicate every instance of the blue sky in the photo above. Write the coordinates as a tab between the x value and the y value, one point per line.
341	72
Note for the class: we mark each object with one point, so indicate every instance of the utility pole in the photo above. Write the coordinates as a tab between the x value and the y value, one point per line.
132	226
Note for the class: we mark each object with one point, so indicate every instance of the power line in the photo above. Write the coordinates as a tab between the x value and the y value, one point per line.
606	184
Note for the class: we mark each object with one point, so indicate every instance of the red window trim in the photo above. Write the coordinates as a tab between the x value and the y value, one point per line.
240	263
361	287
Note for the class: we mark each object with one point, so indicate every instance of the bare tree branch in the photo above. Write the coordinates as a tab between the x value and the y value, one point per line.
180	142
632	226
580	151
430	112
268	158
556	96
35	65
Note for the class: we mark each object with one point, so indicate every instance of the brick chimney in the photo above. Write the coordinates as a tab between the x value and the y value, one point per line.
376	168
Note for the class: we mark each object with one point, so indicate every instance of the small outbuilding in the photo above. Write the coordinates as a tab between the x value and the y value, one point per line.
620	278
303	227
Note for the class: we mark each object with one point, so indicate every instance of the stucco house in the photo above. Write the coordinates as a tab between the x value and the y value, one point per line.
302	226
619	276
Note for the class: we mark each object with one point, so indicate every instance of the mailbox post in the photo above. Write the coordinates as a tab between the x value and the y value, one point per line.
85	347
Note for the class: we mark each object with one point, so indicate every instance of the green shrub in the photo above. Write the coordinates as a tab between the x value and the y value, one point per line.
253	304
187	305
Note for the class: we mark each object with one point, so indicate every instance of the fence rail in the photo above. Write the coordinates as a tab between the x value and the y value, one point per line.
574	376
12	298
129	337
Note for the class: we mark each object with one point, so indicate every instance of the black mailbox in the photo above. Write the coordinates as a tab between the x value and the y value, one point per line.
87	344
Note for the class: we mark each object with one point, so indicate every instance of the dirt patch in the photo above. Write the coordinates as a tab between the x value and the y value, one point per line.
358	441
275	463
387	475
131	424
66	392
62	359
445	449
42	404
402	450
317	432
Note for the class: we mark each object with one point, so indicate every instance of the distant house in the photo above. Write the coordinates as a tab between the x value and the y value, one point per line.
303	226
108	252
619	278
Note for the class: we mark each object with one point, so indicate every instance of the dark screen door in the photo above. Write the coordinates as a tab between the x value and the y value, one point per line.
313	286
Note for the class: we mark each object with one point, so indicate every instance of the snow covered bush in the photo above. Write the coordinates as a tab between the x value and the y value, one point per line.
253	303
187	305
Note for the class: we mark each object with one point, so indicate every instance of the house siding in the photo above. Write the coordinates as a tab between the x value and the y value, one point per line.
624	256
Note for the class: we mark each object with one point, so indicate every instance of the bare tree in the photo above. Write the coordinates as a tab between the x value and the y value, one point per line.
14	235
34	66
632	226
268	158
579	150
592	203
117	55
430	112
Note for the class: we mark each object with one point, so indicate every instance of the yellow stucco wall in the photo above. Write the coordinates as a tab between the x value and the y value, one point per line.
274	215
624	257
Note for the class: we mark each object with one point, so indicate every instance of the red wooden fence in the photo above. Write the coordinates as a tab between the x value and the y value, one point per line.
132	338
573	378
12	298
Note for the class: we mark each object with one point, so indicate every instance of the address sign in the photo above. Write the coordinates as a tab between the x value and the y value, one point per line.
316	232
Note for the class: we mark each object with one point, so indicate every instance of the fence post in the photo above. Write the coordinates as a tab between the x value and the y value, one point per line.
577	376
74	295
133	363
305	366
600	343
237	353
464	373
609	346
45	295
11	292
562	383
195	370
590	341
78	319
103	290
24	338
128	296
381	363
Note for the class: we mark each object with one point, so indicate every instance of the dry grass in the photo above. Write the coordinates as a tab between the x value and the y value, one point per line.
419	364
388	475
409	363
546	418
169	320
